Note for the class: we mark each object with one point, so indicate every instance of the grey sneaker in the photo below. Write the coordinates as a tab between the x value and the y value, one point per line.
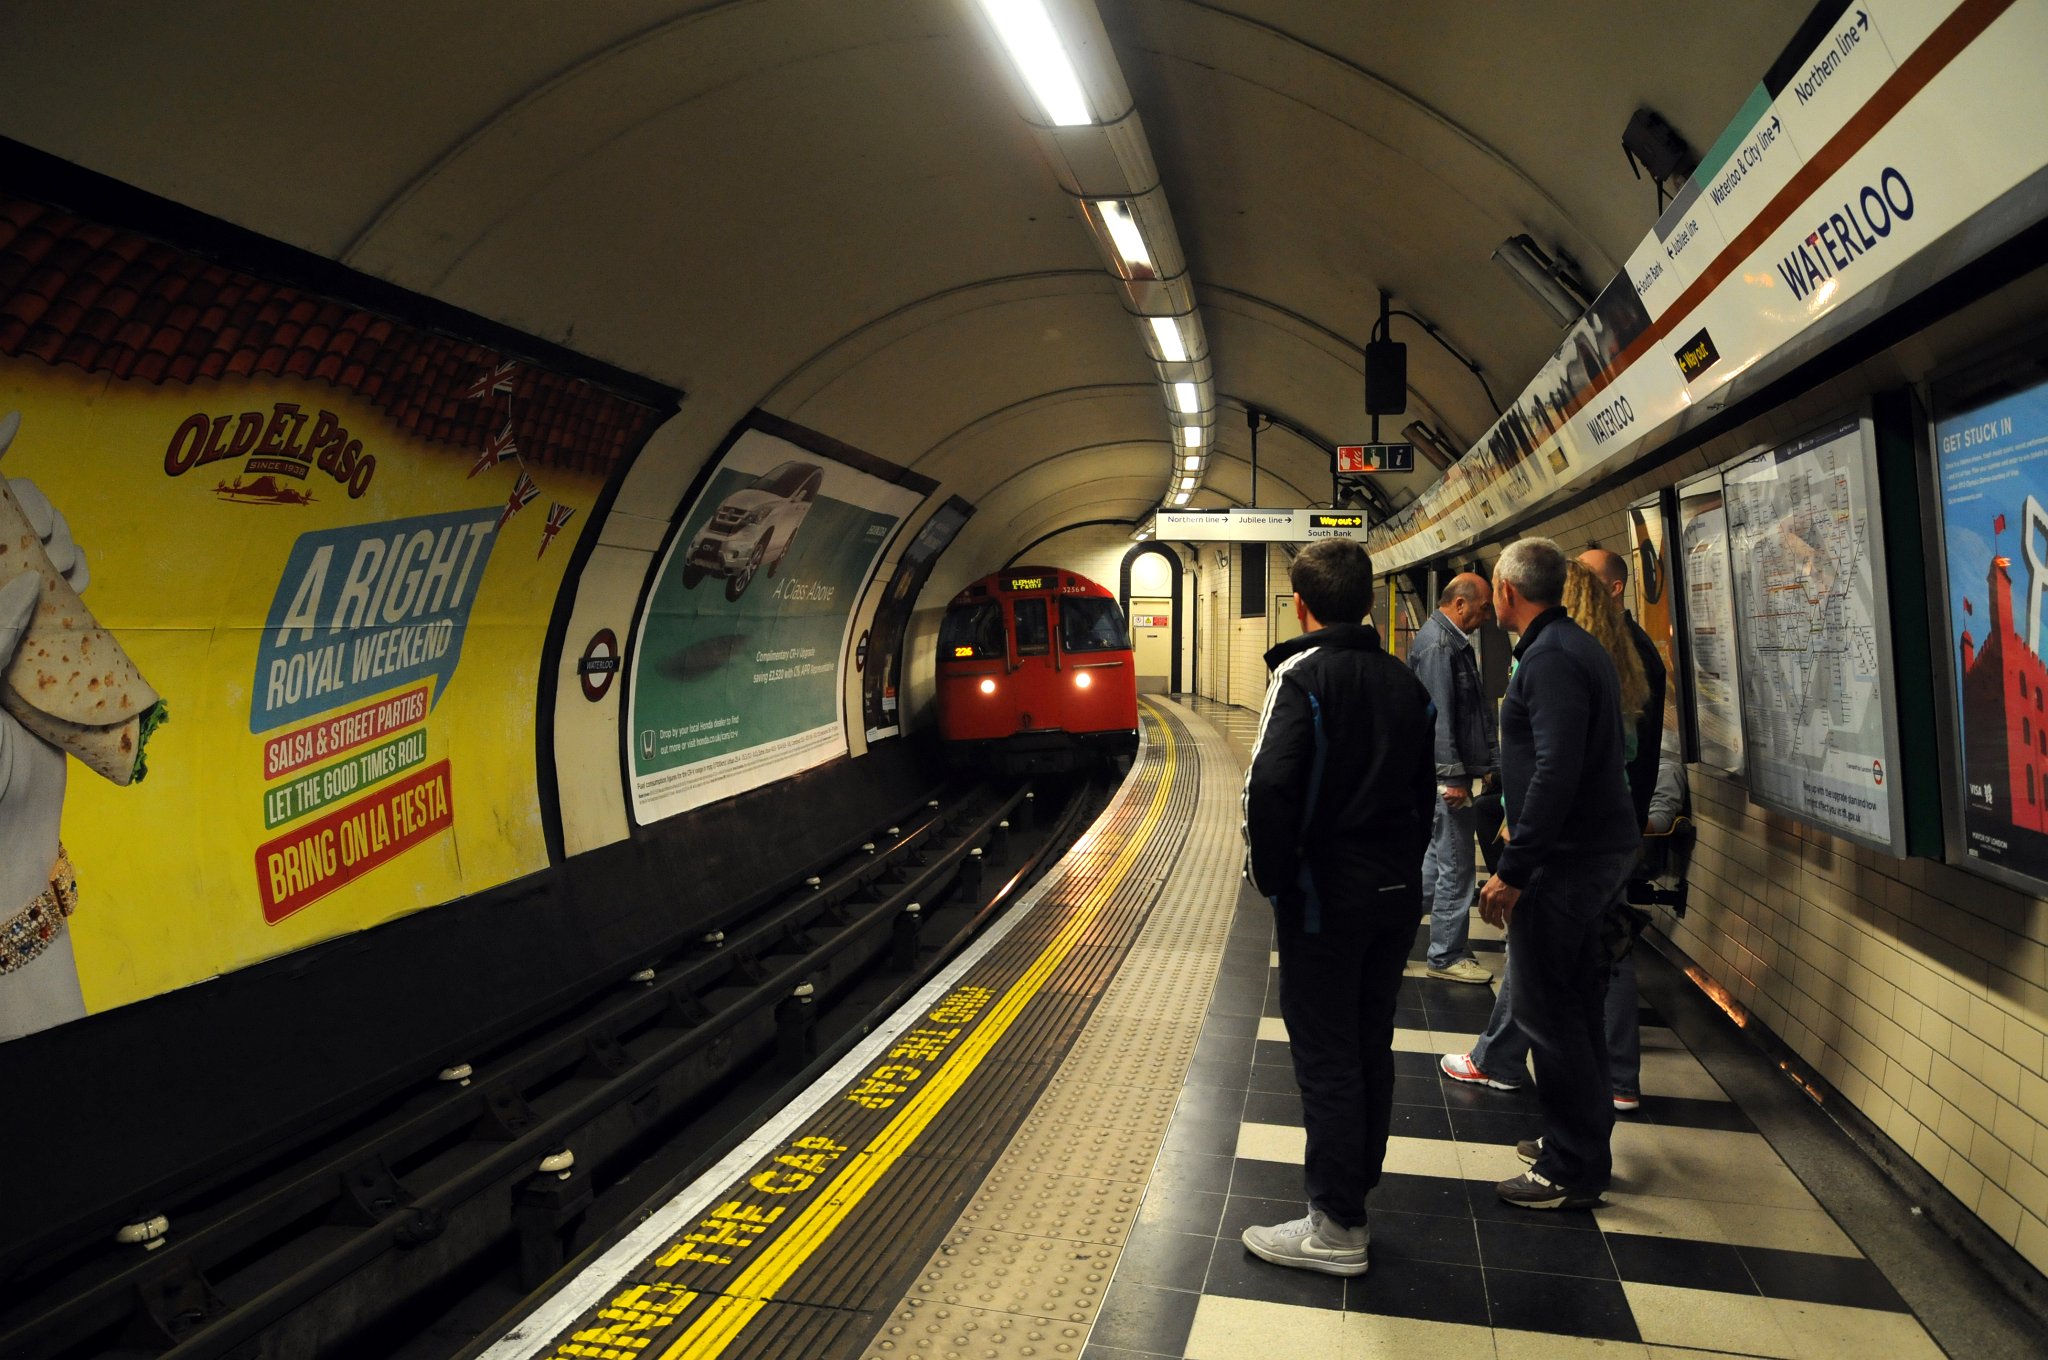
1464	970
1529	1149
1311	1243
1531	1191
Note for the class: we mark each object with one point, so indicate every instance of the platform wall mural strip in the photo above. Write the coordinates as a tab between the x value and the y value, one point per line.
1829	198
276	579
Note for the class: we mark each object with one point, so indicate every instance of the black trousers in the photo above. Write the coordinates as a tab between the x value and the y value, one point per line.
1559	971
1337	994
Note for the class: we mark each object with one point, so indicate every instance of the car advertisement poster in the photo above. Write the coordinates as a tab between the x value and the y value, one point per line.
1992	460
1710	623
1806	545
275	581
738	654
885	635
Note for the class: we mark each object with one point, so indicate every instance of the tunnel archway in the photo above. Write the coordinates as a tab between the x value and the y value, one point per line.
1125	572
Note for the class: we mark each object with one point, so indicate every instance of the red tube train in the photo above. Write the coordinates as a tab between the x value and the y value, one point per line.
1035	673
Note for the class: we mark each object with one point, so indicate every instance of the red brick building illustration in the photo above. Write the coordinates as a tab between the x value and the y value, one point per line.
2005	714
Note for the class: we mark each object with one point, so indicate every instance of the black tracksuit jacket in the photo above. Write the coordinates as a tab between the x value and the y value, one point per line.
1338	798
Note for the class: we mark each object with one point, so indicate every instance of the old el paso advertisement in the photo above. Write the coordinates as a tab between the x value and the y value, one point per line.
307	558
1994	506
736	661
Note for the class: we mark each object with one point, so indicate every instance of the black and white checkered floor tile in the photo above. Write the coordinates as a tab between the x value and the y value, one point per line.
1708	1243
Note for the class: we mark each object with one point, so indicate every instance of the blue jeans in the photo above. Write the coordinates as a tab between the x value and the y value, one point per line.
1503	1051
1558	968
1447	882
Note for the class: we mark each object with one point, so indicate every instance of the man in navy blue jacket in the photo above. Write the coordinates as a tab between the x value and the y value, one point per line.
1573	836
1336	814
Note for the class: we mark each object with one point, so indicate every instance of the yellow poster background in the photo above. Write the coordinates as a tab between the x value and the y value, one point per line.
185	579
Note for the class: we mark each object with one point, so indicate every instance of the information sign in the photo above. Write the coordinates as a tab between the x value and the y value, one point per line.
1806	548
1710	622
1258	526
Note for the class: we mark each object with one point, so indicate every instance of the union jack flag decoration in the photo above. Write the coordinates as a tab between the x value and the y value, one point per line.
497	379
497	448
558	515
523	492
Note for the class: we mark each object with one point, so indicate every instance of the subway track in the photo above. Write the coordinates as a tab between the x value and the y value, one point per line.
408	1230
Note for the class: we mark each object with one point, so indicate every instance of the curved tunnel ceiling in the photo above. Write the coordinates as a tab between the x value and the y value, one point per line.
830	207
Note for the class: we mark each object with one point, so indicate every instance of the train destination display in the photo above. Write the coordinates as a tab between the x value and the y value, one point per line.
1992	461
1805	552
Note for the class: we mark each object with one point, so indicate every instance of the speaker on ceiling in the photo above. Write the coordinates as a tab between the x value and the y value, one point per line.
1386	378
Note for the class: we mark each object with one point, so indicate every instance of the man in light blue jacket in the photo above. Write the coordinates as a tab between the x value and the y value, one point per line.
1441	657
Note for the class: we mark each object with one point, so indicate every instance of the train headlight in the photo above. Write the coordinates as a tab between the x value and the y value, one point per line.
988	685
1083	680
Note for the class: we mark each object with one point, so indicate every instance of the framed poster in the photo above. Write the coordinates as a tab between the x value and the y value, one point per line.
737	661
1811	606
1713	671
879	680
1990	438
1649	581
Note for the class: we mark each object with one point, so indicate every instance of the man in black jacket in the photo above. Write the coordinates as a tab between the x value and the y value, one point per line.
1573	835
1336	814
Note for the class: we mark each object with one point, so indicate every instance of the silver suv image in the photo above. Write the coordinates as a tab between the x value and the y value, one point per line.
754	525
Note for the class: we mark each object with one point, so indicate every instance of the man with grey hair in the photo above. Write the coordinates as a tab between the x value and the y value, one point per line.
1573	836
1441	657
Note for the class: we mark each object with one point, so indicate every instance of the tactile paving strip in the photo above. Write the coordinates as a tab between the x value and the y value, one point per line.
786	1266
1072	1177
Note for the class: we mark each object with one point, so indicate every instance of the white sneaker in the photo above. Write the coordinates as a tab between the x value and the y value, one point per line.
1311	1243
1464	970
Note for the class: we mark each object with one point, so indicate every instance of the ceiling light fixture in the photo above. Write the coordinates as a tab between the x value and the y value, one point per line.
1181	499
1554	283
1193	435
1124	235
1187	484
1187	398
1434	446
1193	463
1034	46
1171	347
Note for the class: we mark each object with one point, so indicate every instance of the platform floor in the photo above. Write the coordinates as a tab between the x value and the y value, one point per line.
1121	1104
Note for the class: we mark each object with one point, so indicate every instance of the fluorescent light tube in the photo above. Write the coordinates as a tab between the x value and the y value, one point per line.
1034	47
1193	464
1187	398
1124	233
1181	499
1187	484
1191	435
1170	344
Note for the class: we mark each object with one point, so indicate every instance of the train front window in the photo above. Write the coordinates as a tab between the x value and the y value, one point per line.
1033	637
1092	625
972	632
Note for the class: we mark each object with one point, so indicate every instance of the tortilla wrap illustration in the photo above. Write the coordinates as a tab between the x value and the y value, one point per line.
69	682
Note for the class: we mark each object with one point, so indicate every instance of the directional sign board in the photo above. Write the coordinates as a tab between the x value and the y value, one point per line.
1258	526
1362	458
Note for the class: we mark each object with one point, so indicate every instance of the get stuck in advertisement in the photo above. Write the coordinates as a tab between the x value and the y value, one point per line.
327	543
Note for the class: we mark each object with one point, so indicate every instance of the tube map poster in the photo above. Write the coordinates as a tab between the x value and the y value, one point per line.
277	581
737	659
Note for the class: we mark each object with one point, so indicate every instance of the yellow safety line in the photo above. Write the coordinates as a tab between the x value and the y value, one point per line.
721	1324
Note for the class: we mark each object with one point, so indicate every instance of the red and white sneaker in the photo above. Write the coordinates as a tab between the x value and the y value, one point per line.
1460	1067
